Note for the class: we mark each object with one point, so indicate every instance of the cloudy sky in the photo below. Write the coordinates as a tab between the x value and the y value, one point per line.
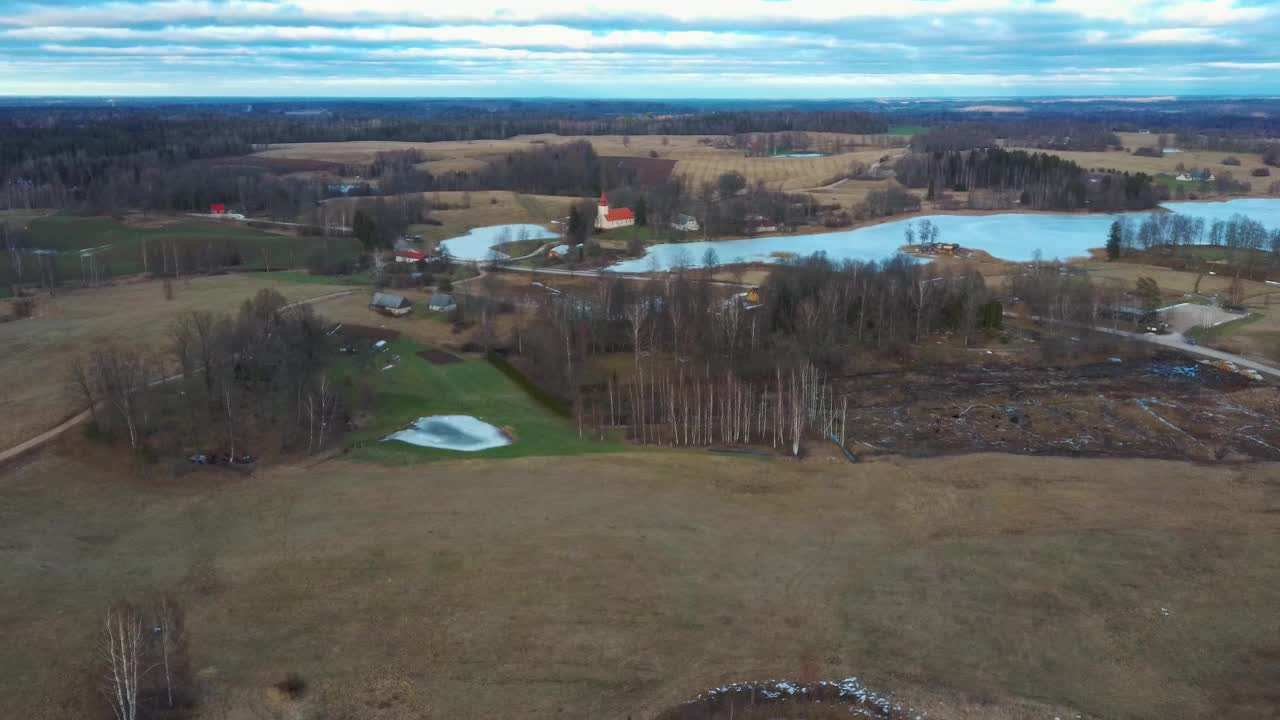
639	48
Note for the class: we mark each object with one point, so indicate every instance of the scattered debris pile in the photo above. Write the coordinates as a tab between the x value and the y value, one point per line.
784	699
1166	407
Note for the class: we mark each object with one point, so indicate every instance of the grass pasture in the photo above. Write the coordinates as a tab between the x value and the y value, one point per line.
253	248
416	388
36	354
606	586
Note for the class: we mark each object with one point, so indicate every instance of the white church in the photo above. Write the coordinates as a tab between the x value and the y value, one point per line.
607	219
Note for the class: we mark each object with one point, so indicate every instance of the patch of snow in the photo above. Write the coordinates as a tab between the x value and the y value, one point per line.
451	432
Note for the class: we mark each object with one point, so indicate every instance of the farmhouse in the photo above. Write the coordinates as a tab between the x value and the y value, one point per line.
410	256
687	223
607	219
388	304
441	302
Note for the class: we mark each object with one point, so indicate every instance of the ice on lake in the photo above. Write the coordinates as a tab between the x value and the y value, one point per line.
1010	236
476	243
451	432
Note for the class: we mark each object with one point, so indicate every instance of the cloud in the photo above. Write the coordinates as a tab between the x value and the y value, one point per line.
810	48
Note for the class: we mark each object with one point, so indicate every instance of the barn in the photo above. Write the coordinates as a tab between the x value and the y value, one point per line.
388	304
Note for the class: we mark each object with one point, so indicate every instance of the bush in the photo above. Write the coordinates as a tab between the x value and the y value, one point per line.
1231	160
1149	152
24	307
1262	172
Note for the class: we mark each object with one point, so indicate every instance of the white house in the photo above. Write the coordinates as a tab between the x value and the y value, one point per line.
687	223
607	219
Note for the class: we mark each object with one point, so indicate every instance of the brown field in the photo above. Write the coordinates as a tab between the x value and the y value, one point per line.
36	354
496	207
697	161
1123	161
981	586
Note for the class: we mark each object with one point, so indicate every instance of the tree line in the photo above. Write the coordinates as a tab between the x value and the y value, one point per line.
711	369
1042	181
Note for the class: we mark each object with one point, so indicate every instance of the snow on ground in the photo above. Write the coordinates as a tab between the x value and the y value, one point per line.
451	432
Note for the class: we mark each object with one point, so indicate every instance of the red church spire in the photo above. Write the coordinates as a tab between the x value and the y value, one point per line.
603	202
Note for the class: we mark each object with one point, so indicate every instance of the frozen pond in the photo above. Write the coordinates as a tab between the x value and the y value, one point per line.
1011	236
451	432
476	243
800	155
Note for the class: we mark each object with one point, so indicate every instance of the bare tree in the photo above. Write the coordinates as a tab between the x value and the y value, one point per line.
121	658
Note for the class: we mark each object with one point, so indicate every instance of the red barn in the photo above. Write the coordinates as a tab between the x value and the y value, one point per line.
217	208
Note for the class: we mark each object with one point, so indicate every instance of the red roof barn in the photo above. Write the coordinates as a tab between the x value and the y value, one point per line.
218	208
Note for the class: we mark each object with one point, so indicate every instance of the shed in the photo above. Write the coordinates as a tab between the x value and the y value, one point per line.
389	304
441	302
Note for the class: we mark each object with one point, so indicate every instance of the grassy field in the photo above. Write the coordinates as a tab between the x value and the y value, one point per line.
416	388
1124	161
608	586
497	207
695	157
907	129
36	354
255	248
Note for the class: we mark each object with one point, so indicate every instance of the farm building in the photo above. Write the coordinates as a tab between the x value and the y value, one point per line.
1196	176
607	219
217	208
388	304
410	256
687	223
441	302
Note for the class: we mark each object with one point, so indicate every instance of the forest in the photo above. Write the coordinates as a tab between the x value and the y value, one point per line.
1042	181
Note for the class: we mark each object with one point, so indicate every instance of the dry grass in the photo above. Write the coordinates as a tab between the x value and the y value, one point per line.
35	393
621	585
1124	161
696	159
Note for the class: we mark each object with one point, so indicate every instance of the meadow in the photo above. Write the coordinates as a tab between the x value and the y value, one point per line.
607	586
125	240
36	390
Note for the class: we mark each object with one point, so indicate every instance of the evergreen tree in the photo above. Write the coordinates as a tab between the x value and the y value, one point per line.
363	227
1113	241
642	212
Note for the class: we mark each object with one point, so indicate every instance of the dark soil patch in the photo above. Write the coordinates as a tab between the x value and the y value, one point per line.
647	171
438	357
365	332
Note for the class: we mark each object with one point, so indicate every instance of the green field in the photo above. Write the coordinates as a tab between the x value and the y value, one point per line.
416	388
907	129
233	245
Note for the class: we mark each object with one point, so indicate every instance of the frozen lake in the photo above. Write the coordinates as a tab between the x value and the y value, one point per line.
476	243
1011	236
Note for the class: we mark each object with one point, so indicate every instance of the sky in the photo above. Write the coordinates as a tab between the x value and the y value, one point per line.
784	49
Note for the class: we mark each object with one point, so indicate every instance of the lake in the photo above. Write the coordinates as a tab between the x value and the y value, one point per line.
1010	236
476	243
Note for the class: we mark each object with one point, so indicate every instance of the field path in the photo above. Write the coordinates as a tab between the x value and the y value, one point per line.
83	415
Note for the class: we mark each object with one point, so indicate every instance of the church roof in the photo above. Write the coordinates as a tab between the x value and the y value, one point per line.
617	214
